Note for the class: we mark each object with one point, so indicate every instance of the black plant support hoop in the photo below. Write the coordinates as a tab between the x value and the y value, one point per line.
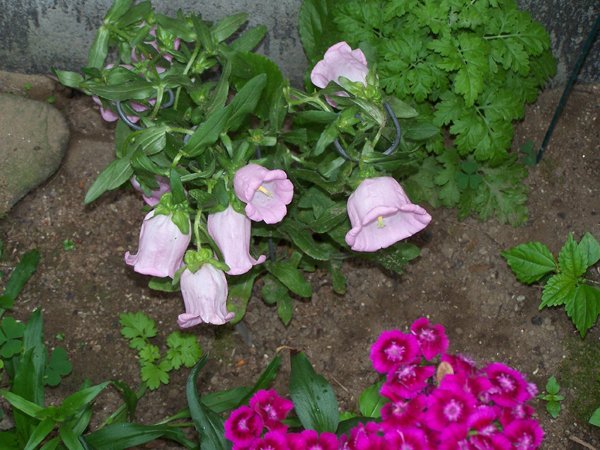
135	126
389	150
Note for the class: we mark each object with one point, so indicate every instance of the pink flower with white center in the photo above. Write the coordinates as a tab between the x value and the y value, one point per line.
477	386
449	407
365	437
231	232
381	214
432	338
483	420
272	408
509	387
402	414
340	61
265	192
154	198
161	247
243	426
454	437
509	415
392	349
406	382
273	440
205	296
407	439
311	440
524	434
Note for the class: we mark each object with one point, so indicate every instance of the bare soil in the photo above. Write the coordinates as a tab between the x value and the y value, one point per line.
460	280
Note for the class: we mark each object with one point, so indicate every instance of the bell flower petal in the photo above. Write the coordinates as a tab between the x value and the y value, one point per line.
381	214
265	192
205	296
161	247
340	61
154	198
231	232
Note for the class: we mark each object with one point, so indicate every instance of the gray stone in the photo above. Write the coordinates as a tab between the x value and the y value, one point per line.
34	140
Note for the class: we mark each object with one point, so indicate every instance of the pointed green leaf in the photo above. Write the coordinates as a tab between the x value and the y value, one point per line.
552	386
208	424
240	291
370	401
265	381
69	438
316	28
120	436
559	290
22	404
302	238
99	49
590	247
249	39
313	397
584	309
595	419
227	26
572	259
39	434
18	278
285	308
80	399
530	262
291	277
115	174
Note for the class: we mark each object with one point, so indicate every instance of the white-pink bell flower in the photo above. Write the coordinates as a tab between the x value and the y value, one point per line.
161	247
381	214
265	192
205	296
231	232
340	61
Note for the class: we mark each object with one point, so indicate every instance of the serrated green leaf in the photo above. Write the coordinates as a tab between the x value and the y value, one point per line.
149	353
572	260
589	247
183	349
469	80
530	262
153	375
137	324
559	290
584	308
316	28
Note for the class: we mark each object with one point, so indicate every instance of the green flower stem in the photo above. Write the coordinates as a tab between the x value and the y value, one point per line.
176	160
160	91
197	229
302	98
185	71
181	130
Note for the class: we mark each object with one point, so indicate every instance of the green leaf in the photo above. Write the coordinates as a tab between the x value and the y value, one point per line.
153	375
394	258
584	308
117	10
302	238
285	308
227	400
572	259
69	438
207	133
183	349
469	80
240	291
272	290
162	284
530	262
39	434
553	408
58	367
227	26
291	277
265	381
595	419
137	324
316	28
589	247
115	174
370	401
79	400
208	424
120	436
559	290
69	79
249	39
99	49
245	101
22	404
313	397
18	278
552	386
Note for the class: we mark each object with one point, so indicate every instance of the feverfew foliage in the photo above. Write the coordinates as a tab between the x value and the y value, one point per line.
468	67
552	397
182	349
568	285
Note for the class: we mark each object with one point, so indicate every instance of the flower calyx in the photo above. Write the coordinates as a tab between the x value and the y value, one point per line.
194	259
180	212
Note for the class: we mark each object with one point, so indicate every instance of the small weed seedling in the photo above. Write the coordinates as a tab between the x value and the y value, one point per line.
183	349
567	285
552	398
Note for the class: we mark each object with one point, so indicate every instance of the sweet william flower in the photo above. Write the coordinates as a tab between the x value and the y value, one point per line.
381	214
432	338
205	296
392	349
154	198
243	426
272	408
265	192
340	61
161	247
231	232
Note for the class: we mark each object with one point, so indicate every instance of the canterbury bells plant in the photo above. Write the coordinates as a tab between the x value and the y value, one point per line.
239	165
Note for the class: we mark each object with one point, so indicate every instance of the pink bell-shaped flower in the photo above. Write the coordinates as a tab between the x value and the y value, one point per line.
381	214
265	192
161	247
340	61
231	232
154	198
205	296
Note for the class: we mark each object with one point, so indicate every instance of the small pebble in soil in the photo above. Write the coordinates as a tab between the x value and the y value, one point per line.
537	320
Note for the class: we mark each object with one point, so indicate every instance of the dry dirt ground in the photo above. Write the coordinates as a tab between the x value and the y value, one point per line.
460	280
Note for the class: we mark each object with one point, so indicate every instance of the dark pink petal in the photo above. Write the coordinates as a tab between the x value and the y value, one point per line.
509	387
525	434
406	382
448	407
272	408
392	349
243	426
432	338
273	440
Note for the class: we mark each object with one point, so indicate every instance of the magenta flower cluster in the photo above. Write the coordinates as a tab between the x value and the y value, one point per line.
454	406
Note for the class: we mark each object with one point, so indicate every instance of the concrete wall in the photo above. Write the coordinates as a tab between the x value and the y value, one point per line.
38	34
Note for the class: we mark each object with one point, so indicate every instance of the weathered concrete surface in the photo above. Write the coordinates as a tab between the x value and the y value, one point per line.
34	140
36	35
